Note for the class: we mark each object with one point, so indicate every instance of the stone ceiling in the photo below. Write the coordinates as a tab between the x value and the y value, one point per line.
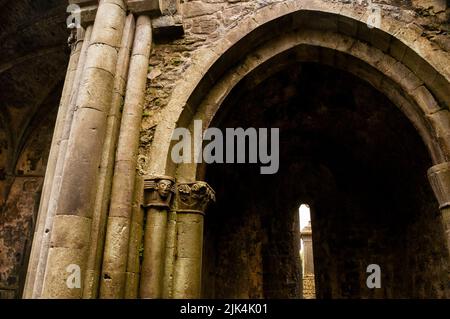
33	59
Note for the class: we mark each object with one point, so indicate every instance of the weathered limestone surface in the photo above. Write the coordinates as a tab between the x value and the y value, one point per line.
157	202
192	200
78	186
133	273
104	187
123	184
52	184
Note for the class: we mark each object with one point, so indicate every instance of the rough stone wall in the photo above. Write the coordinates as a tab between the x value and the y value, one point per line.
18	213
238	249
17	220
412	259
4	158
252	242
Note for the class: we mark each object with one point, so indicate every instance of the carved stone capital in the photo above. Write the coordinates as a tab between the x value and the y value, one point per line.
439	177
158	191
193	197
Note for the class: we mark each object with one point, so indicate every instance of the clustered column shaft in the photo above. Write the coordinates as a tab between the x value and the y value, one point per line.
74	209
113	279
171	244
157	201
135	243
93	205
107	163
192	200
52	184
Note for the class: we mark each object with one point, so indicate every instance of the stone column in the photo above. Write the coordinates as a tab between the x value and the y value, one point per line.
171	245
52	184
70	238
136	242
309	291
192	200
158	192
107	163
113	279
50	170
439	177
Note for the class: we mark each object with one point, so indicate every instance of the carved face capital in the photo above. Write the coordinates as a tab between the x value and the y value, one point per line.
164	188
194	197
158	191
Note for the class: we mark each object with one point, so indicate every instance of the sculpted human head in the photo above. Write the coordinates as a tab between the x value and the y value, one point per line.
164	187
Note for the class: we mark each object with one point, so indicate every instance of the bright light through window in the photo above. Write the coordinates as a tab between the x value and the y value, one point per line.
305	215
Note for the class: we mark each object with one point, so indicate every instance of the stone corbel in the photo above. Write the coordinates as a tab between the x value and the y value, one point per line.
439	177
169	24
148	7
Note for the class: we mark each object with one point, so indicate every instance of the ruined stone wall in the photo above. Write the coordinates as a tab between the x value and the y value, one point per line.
233	258
412	258
252	240
18	213
17	220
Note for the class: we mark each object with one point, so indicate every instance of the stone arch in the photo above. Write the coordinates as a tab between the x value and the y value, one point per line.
398	62
394	59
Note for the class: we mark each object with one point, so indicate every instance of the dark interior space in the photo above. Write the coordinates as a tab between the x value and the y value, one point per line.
351	154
